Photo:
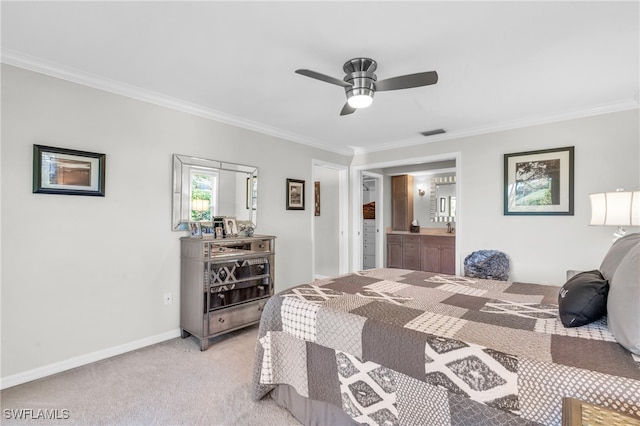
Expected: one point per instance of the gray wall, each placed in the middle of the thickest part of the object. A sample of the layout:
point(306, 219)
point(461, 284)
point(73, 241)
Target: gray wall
point(84, 277)
point(541, 248)
point(81, 275)
point(327, 225)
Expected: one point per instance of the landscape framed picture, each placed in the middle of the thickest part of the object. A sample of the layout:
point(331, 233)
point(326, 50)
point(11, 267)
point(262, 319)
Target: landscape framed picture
point(295, 194)
point(68, 171)
point(539, 182)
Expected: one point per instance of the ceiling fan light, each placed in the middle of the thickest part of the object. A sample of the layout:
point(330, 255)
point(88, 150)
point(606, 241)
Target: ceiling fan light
point(360, 101)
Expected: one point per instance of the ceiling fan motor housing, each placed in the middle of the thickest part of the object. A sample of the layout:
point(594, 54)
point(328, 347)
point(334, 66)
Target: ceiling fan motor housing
point(360, 74)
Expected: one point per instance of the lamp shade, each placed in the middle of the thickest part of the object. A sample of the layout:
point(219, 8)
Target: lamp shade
point(620, 208)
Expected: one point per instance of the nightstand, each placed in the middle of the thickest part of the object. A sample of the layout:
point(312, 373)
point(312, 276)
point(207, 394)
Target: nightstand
point(580, 413)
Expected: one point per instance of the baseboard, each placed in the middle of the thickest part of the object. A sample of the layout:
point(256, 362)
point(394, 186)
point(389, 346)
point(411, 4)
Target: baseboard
point(58, 367)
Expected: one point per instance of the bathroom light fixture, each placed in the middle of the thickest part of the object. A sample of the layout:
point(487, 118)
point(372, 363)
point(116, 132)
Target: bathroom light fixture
point(620, 208)
point(421, 191)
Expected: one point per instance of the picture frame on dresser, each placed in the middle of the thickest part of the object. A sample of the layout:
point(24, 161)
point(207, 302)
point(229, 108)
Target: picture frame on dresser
point(230, 226)
point(196, 229)
point(68, 171)
point(539, 182)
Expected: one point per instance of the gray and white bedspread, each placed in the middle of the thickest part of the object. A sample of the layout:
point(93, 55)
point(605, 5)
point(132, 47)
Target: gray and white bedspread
point(393, 346)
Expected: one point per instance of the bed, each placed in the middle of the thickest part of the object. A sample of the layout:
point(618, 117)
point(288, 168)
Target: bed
point(395, 346)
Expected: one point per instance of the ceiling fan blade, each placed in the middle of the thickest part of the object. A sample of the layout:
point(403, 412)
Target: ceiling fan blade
point(407, 81)
point(347, 109)
point(323, 77)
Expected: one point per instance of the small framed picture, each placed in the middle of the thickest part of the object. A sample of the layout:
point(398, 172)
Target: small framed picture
point(295, 194)
point(196, 230)
point(67, 171)
point(219, 232)
point(230, 226)
point(316, 196)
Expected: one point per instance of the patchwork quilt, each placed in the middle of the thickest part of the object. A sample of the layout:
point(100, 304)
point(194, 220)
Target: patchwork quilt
point(394, 346)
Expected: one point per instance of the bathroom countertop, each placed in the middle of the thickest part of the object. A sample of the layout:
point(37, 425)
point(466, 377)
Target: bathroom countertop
point(425, 231)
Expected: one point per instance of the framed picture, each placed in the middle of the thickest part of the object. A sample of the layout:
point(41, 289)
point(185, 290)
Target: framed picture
point(67, 171)
point(295, 194)
point(539, 182)
point(196, 229)
point(230, 226)
point(316, 195)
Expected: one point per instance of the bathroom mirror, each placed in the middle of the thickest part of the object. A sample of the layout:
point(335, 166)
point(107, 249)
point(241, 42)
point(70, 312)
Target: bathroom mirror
point(443, 199)
point(202, 188)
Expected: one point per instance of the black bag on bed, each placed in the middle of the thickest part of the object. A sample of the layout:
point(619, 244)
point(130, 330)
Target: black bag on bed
point(583, 299)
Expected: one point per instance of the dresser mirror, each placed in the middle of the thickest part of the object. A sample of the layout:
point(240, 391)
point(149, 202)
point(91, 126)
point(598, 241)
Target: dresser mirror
point(202, 188)
point(443, 199)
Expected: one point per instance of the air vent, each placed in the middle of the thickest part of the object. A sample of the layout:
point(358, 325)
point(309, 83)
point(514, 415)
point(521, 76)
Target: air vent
point(433, 132)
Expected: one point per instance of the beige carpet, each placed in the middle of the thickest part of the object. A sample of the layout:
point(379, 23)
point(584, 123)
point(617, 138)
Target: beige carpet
point(171, 383)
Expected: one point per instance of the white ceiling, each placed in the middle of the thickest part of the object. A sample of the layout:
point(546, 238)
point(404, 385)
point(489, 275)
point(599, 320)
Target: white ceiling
point(500, 64)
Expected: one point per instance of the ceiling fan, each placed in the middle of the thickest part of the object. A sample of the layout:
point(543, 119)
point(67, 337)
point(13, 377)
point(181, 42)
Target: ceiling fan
point(361, 83)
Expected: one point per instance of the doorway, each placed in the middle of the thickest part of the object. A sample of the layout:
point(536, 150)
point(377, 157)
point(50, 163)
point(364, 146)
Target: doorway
point(357, 173)
point(330, 219)
point(371, 201)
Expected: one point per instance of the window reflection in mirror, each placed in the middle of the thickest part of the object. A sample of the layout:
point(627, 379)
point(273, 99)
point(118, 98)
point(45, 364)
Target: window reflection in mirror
point(202, 188)
point(204, 195)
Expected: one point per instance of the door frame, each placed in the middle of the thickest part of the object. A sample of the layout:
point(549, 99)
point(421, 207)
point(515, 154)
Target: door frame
point(359, 231)
point(356, 213)
point(343, 216)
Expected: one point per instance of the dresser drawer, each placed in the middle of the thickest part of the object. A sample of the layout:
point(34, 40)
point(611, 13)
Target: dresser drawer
point(430, 240)
point(369, 249)
point(394, 238)
point(369, 239)
point(369, 228)
point(235, 316)
point(264, 245)
point(411, 239)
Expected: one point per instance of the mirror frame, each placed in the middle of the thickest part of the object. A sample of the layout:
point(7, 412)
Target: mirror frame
point(182, 166)
point(433, 208)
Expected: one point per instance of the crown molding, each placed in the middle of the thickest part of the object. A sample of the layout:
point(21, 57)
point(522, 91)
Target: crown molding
point(500, 127)
point(73, 75)
point(98, 82)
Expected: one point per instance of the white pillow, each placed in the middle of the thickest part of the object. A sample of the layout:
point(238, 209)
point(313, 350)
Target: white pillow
point(614, 256)
point(623, 302)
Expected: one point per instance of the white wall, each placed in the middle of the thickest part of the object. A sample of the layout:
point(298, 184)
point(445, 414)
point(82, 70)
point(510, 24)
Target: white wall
point(327, 225)
point(84, 274)
point(541, 248)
